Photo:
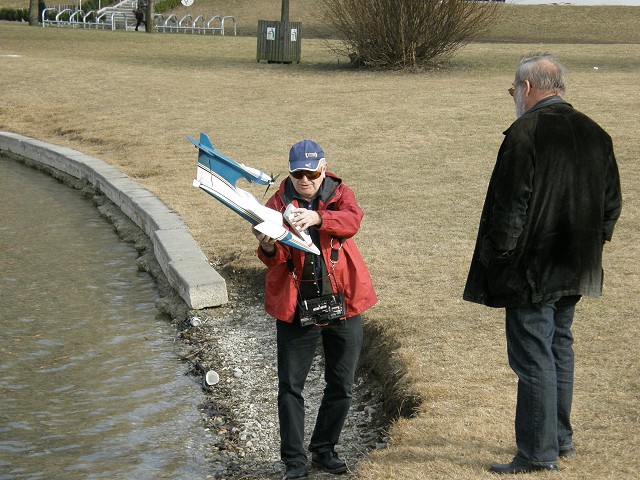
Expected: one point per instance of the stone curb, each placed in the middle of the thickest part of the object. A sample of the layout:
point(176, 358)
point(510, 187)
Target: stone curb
point(182, 261)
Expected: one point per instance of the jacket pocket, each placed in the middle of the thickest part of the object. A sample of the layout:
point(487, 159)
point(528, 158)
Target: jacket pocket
point(504, 279)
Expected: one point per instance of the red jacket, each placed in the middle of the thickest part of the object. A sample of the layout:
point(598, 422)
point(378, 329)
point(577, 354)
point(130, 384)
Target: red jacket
point(341, 217)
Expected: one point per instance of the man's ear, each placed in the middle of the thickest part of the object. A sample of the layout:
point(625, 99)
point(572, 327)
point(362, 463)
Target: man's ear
point(527, 88)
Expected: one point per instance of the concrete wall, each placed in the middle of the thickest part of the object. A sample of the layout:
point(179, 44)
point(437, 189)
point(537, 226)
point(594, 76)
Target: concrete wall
point(183, 263)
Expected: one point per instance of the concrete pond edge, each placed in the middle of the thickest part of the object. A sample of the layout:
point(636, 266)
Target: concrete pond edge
point(182, 261)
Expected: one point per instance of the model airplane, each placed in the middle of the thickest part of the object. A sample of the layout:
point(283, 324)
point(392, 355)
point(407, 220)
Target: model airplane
point(217, 175)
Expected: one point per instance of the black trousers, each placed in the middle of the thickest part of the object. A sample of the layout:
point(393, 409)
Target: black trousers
point(342, 342)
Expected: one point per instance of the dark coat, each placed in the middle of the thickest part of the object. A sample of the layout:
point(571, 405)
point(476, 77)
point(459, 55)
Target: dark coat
point(552, 201)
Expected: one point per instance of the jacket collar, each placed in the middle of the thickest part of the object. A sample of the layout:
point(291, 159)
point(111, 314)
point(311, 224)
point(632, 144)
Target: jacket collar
point(546, 102)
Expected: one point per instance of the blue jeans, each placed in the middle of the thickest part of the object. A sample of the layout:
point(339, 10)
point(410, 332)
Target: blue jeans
point(540, 349)
point(342, 342)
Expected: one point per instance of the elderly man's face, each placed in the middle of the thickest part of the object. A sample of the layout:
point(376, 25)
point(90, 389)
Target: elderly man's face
point(305, 186)
point(519, 99)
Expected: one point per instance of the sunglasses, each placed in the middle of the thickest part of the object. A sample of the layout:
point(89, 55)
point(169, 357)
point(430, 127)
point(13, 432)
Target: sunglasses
point(512, 91)
point(310, 174)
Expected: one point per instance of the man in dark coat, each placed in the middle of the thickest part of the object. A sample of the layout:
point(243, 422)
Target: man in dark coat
point(552, 202)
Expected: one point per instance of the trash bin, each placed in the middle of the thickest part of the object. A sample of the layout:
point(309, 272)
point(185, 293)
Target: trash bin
point(279, 42)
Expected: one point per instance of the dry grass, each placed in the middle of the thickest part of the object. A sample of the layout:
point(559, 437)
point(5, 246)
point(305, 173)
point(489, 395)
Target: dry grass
point(417, 150)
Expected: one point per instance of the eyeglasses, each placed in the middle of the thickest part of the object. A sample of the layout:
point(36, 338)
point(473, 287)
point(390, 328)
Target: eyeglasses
point(310, 174)
point(512, 90)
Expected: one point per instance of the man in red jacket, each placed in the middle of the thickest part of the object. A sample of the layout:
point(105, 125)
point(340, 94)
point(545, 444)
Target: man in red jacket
point(337, 278)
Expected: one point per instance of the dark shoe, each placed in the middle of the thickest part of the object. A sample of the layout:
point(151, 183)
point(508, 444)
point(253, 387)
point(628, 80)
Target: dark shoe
point(518, 465)
point(296, 470)
point(567, 451)
point(329, 462)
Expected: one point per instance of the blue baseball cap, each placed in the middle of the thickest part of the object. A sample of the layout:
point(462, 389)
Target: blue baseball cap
point(305, 155)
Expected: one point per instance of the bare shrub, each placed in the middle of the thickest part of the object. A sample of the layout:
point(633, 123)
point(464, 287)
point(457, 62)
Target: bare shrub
point(406, 34)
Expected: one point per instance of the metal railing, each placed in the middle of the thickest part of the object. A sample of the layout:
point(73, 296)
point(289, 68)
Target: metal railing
point(76, 18)
point(211, 25)
point(225, 18)
point(89, 19)
point(56, 20)
point(112, 18)
point(188, 24)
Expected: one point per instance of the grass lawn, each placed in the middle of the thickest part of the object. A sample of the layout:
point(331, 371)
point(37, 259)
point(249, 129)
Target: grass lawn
point(418, 150)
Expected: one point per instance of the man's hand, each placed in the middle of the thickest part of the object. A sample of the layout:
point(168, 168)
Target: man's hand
point(303, 218)
point(267, 243)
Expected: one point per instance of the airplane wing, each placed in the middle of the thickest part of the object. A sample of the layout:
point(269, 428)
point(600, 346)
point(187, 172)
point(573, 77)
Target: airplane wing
point(281, 234)
point(217, 174)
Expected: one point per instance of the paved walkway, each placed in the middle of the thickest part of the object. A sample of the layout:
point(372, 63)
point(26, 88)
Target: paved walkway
point(181, 259)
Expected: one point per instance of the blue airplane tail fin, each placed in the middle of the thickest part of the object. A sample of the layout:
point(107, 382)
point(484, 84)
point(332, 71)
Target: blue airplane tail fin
point(206, 151)
point(214, 161)
point(204, 140)
point(227, 168)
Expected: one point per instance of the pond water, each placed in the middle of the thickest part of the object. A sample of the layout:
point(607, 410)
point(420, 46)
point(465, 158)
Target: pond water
point(90, 384)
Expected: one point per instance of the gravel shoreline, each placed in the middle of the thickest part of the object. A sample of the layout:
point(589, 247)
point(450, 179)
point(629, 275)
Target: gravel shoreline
point(238, 342)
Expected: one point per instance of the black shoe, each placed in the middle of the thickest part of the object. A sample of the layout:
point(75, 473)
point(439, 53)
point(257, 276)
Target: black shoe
point(296, 470)
point(518, 465)
point(567, 451)
point(329, 462)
